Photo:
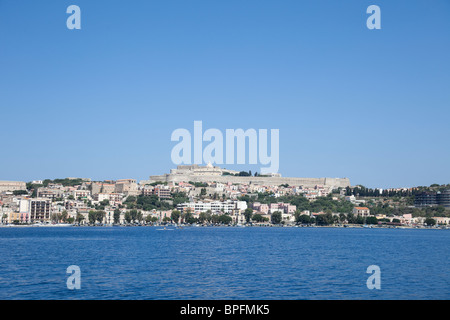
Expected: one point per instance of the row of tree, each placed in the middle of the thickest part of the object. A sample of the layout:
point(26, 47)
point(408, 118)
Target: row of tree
point(133, 216)
point(204, 217)
point(329, 219)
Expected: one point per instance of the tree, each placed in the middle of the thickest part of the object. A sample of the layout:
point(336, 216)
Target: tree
point(140, 217)
point(92, 216)
point(64, 216)
point(116, 216)
point(360, 220)
point(187, 215)
point(175, 216)
point(135, 215)
point(351, 218)
point(248, 213)
point(303, 219)
point(127, 216)
point(321, 220)
point(100, 215)
point(325, 219)
point(204, 216)
point(276, 217)
point(430, 221)
point(371, 220)
point(258, 218)
point(225, 219)
point(79, 217)
point(55, 217)
point(19, 192)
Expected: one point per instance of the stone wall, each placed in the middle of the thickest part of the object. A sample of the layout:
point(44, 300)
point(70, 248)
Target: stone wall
point(306, 182)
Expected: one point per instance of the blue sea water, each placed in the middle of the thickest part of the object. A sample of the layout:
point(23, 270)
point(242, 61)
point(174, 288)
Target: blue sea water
point(223, 263)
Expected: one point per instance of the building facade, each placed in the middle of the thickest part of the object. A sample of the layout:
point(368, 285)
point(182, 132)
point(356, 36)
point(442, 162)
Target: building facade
point(429, 199)
point(40, 209)
point(12, 186)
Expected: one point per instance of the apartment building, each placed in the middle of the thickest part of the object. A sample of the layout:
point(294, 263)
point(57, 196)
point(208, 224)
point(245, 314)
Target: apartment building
point(361, 211)
point(40, 209)
point(49, 193)
point(213, 206)
point(81, 194)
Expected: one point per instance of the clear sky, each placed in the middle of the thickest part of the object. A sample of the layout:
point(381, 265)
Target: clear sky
point(102, 102)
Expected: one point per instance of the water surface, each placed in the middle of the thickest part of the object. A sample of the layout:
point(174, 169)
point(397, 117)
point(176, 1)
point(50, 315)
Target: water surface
point(223, 263)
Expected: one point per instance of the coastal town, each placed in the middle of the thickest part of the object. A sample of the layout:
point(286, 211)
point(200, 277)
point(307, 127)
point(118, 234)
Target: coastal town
point(209, 195)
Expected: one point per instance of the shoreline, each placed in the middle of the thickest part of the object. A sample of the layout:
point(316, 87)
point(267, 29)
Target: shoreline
point(226, 226)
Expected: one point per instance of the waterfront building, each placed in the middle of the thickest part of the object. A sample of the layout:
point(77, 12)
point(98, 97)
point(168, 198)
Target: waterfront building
point(40, 209)
point(216, 207)
point(442, 220)
point(361, 211)
point(5, 214)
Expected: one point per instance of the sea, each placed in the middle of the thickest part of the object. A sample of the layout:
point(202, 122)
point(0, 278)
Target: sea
point(231, 263)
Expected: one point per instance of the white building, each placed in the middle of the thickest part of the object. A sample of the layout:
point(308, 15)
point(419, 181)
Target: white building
point(213, 206)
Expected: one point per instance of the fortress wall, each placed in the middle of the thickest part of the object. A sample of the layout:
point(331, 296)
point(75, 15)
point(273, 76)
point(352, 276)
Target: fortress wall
point(307, 182)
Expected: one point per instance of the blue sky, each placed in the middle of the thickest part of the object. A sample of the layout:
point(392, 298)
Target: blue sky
point(102, 102)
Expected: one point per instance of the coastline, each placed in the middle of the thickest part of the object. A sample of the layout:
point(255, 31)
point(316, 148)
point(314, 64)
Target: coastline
point(224, 226)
